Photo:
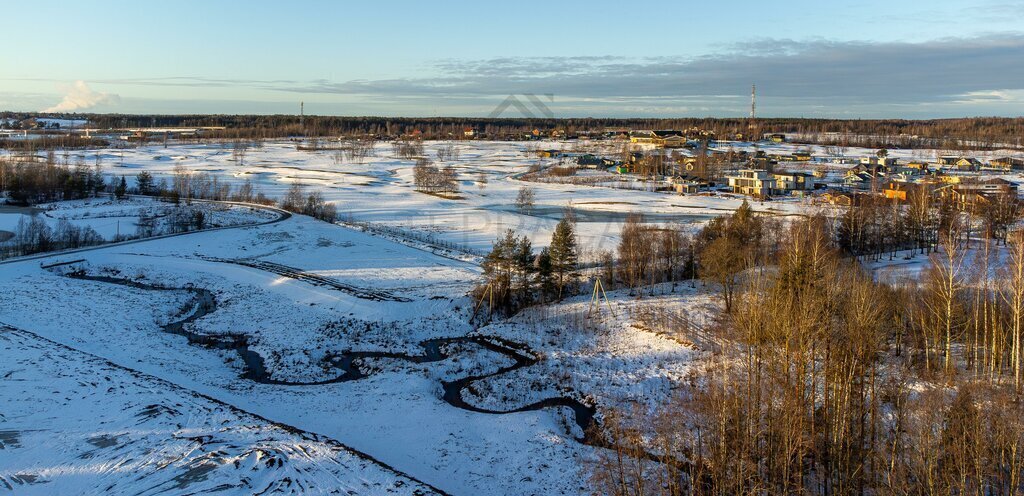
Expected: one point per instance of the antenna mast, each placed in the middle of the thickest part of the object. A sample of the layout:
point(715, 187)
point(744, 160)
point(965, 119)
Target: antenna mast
point(754, 104)
point(302, 113)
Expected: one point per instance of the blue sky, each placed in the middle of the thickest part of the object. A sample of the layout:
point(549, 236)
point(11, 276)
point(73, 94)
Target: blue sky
point(809, 58)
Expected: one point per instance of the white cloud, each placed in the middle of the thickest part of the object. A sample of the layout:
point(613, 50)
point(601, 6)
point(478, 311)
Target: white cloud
point(79, 96)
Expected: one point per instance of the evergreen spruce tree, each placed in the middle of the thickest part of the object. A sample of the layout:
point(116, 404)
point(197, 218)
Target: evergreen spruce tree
point(524, 270)
point(509, 272)
point(121, 189)
point(144, 183)
point(96, 182)
point(545, 278)
point(564, 257)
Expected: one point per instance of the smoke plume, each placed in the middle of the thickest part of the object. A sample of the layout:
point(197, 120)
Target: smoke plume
point(79, 96)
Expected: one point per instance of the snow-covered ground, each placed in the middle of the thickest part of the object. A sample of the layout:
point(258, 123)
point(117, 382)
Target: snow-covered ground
point(300, 291)
point(608, 352)
point(72, 423)
point(111, 218)
point(912, 265)
point(381, 189)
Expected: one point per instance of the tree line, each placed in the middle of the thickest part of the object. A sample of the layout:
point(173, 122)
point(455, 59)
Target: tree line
point(514, 275)
point(875, 226)
point(958, 133)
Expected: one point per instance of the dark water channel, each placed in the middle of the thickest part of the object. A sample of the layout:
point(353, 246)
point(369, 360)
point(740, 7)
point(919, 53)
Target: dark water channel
point(434, 350)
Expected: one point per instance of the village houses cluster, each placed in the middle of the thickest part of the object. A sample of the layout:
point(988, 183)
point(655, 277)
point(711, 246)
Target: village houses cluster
point(695, 162)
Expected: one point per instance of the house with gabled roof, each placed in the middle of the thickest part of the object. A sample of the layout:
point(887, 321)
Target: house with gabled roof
point(1007, 164)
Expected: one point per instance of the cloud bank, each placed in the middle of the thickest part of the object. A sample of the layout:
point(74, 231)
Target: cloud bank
point(79, 96)
point(943, 77)
point(816, 72)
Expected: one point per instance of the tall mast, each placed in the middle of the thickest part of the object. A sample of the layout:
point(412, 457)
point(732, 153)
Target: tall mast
point(753, 105)
point(753, 102)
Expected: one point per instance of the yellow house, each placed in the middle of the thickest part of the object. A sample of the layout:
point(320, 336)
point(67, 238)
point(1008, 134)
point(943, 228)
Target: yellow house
point(968, 163)
point(645, 138)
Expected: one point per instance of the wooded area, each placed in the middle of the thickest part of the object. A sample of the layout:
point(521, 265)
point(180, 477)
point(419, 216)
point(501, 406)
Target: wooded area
point(827, 380)
point(958, 133)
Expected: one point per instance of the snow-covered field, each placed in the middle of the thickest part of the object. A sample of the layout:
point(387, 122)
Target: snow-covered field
point(72, 423)
point(301, 291)
point(381, 190)
point(111, 218)
point(302, 296)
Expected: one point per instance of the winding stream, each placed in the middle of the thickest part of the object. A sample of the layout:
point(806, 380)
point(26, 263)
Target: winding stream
point(204, 303)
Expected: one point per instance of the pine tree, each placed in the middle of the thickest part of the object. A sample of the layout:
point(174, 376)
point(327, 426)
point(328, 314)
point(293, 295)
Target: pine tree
point(121, 189)
point(525, 272)
point(564, 257)
point(144, 183)
point(509, 271)
point(545, 276)
point(96, 178)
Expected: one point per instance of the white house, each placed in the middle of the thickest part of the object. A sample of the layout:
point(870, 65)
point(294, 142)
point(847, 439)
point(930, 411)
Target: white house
point(789, 182)
point(754, 182)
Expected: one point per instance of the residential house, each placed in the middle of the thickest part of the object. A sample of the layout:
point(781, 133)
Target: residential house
point(643, 137)
point(589, 160)
point(1007, 164)
point(968, 164)
point(670, 139)
point(775, 137)
point(617, 134)
point(961, 163)
point(687, 184)
point(905, 172)
point(665, 138)
point(861, 180)
point(901, 190)
point(884, 163)
point(840, 160)
point(793, 182)
point(837, 198)
point(754, 182)
point(972, 192)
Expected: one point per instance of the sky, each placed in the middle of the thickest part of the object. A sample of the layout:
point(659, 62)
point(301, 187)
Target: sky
point(834, 59)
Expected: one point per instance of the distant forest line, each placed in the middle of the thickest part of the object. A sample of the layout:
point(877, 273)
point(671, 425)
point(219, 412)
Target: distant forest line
point(981, 132)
